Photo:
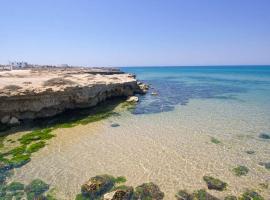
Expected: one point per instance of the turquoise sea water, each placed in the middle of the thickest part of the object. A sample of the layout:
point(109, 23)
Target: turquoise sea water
point(179, 85)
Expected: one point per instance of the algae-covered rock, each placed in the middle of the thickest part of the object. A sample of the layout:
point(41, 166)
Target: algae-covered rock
point(240, 170)
point(36, 189)
point(97, 186)
point(14, 186)
point(251, 195)
point(183, 195)
point(214, 183)
point(120, 193)
point(148, 191)
point(203, 195)
point(230, 197)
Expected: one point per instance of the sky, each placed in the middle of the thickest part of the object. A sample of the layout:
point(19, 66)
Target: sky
point(135, 32)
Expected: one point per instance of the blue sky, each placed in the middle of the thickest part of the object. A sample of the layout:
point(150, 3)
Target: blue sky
point(135, 32)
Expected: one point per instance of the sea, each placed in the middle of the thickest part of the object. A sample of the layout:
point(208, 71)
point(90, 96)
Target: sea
point(195, 121)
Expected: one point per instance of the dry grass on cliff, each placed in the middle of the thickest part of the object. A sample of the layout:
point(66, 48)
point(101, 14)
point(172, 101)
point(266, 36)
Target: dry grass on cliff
point(58, 82)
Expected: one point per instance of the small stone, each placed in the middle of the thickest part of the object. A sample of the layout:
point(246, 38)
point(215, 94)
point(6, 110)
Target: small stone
point(250, 152)
point(115, 125)
point(5, 119)
point(154, 93)
point(132, 99)
point(14, 121)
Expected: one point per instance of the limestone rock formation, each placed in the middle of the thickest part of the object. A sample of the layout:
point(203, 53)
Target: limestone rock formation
point(35, 93)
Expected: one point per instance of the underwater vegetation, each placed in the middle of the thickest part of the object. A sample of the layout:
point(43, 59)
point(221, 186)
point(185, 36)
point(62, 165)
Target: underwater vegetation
point(33, 191)
point(240, 170)
point(215, 141)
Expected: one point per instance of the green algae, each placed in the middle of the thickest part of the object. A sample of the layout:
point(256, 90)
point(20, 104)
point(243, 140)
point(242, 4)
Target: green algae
point(215, 141)
point(120, 179)
point(2, 138)
point(19, 160)
point(240, 170)
point(35, 147)
point(43, 134)
point(14, 186)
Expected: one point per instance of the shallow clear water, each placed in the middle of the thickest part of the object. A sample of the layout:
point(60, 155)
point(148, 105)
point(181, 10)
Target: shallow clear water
point(167, 137)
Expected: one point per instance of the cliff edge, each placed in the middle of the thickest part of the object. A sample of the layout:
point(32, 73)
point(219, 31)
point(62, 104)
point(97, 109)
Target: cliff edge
point(35, 93)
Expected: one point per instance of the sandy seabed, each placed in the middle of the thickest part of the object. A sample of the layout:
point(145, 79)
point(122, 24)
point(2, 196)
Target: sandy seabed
point(172, 149)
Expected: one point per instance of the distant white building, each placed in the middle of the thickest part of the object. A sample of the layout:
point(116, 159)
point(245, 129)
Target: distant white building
point(18, 64)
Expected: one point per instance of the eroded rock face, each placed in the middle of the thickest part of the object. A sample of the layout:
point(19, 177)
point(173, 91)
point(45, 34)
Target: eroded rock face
point(44, 93)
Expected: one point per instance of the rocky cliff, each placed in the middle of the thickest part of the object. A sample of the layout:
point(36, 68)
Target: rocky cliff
point(29, 94)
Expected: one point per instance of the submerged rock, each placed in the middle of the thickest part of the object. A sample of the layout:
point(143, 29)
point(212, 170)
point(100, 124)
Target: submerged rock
point(214, 183)
point(14, 186)
point(240, 170)
point(265, 164)
point(97, 186)
point(148, 191)
point(36, 188)
point(121, 193)
point(183, 195)
point(250, 152)
point(115, 125)
point(251, 195)
point(203, 195)
point(264, 136)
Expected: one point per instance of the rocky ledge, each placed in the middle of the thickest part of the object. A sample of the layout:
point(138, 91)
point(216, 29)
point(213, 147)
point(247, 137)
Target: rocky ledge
point(44, 92)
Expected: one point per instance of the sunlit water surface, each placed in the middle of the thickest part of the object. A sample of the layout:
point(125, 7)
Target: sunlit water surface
point(167, 138)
